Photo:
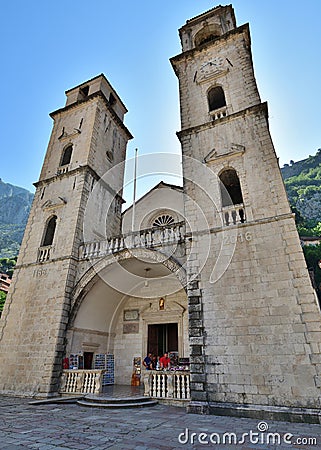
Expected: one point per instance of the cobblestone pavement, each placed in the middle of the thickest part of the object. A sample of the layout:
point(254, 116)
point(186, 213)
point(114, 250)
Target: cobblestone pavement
point(70, 426)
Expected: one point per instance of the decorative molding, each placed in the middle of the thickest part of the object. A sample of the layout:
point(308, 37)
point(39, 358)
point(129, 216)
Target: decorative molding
point(131, 315)
point(89, 346)
point(53, 204)
point(88, 331)
point(131, 328)
point(212, 69)
point(66, 135)
point(234, 150)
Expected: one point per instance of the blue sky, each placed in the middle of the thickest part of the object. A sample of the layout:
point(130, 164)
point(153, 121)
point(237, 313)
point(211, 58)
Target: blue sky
point(49, 47)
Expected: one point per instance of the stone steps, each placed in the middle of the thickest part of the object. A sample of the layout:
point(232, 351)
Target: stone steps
point(116, 402)
point(63, 399)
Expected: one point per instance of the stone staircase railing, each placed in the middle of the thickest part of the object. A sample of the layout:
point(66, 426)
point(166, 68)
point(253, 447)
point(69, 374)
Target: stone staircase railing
point(148, 238)
point(167, 384)
point(81, 381)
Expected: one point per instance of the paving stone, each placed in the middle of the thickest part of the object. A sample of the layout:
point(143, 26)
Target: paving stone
point(79, 428)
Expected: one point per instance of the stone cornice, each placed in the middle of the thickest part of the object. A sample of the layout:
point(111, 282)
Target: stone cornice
point(201, 17)
point(89, 98)
point(96, 78)
point(223, 229)
point(76, 171)
point(37, 264)
point(260, 108)
point(243, 29)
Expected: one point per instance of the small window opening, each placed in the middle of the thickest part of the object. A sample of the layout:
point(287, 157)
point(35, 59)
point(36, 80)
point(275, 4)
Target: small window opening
point(66, 156)
point(110, 155)
point(230, 188)
point(112, 99)
point(209, 38)
point(84, 91)
point(50, 231)
point(216, 98)
point(207, 34)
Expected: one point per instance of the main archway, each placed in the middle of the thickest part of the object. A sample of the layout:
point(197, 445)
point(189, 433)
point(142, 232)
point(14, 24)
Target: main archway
point(125, 306)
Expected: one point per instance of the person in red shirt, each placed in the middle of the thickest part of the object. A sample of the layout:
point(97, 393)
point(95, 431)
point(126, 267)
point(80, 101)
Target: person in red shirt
point(165, 362)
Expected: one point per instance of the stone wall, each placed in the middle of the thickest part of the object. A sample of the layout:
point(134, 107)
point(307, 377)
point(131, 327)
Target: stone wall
point(254, 316)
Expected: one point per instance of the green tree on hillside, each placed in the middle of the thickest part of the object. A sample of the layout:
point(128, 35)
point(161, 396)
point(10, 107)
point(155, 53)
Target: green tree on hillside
point(7, 265)
point(3, 296)
point(312, 255)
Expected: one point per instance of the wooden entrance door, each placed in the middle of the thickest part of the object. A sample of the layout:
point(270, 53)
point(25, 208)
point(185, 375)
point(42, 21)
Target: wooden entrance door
point(162, 338)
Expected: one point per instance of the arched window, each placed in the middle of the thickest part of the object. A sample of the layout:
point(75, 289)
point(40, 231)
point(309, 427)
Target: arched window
point(206, 34)
point(230, 188)
point(216, 98)
point(66, 156)
point(50, 231)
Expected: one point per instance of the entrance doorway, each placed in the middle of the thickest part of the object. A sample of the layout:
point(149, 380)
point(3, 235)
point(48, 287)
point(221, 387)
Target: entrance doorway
point(88, 360)
point(162, 337)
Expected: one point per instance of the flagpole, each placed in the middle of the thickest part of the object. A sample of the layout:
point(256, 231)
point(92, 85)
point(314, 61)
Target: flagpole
point(134, 191)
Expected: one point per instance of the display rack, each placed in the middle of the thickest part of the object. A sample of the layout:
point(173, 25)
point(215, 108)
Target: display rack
point(76, 361)
point(105, 361)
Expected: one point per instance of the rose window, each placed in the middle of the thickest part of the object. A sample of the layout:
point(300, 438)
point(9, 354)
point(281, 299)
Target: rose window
point(163, 220)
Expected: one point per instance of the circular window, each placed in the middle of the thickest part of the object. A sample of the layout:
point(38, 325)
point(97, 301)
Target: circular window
point(163, 220)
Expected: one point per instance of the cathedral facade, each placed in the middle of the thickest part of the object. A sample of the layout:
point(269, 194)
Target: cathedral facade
point(212, 271)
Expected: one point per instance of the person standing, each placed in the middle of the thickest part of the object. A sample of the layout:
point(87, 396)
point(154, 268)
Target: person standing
point(147, 363)
point(165, 362)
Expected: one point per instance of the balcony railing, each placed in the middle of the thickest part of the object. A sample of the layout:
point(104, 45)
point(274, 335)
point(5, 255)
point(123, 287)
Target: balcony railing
point(148, 238)
point(44, 253)
point(62, 169)
point(233, 214)
point(173, 385)
point(218, 113)
point(82, 381)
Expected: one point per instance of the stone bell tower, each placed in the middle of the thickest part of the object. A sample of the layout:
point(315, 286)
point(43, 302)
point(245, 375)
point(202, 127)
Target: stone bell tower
point(88, 139)
point(254, 323)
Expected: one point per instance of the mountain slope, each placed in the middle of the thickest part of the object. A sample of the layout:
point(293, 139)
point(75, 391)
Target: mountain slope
point(15, 203)
point(303, 184)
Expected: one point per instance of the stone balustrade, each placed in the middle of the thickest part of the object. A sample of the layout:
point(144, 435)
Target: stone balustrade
point(63, 169)
point(81, 381)
point(171, 385)
point(233, 214)
point(219, 113)
point(44, 253)
point(147, 238)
